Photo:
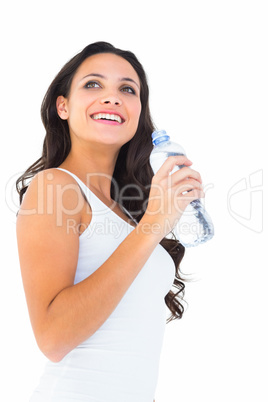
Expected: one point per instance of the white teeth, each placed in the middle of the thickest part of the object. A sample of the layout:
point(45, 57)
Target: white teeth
point(107, 116)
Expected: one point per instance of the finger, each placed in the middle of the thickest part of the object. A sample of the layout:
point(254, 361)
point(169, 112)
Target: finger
point(194, 194)
point(191, 195)
point(187, 186)
point(170, 163)
point(185, 173)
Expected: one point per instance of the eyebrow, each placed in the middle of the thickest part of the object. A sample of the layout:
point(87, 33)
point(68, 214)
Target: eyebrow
point(102, 76)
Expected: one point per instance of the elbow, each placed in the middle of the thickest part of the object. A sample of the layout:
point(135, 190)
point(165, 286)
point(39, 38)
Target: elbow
point(53, 350)
point(53, 356)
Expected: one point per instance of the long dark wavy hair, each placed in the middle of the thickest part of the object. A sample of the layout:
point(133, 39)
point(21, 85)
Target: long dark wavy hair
point(132, 166)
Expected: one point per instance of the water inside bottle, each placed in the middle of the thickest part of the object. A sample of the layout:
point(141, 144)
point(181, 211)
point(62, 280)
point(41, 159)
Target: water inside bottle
point(194, 226)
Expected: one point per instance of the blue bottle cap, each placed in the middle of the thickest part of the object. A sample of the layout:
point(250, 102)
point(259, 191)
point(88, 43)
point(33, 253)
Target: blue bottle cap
point(159, 136)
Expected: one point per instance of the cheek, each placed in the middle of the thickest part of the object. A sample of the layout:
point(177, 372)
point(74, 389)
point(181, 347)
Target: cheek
point(80, 103)
point(137, 110)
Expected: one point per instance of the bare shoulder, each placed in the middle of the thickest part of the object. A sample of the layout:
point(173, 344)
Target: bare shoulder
point(53, 191)
point(51, 211)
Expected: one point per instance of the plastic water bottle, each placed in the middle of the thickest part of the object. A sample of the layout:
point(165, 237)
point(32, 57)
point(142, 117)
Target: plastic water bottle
point(194, 226)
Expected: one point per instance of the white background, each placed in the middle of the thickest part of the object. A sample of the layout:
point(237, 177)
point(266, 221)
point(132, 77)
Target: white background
point(207, 67)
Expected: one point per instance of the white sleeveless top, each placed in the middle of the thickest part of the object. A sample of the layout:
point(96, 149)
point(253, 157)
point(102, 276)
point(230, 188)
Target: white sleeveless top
point(120, 361)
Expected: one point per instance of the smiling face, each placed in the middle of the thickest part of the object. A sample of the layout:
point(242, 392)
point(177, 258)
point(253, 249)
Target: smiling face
point(104, 104)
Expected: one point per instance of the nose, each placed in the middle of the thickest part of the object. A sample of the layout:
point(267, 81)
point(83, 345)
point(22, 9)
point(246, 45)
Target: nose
point(111, 99)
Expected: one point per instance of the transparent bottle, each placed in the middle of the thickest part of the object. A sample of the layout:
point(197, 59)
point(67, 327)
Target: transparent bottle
point(194, 226)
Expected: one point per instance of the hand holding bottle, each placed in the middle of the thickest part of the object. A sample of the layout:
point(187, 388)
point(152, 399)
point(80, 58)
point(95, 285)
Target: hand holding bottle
point(194, 226)
point(170, 194)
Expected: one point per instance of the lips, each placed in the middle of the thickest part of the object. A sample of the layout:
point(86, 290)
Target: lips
point(108, 116)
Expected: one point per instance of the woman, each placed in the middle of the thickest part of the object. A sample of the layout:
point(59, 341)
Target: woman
point(96, 278)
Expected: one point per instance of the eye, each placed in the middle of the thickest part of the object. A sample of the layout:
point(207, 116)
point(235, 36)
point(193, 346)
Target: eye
point(129, 90)
point(92, 84)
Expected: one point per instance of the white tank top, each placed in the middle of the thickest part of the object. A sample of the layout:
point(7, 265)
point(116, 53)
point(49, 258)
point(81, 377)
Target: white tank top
point(120, 361)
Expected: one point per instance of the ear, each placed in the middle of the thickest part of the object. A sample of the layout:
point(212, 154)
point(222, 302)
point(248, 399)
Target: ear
point(62, 109)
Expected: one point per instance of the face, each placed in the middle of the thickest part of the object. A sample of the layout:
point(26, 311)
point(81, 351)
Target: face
point(104, 104)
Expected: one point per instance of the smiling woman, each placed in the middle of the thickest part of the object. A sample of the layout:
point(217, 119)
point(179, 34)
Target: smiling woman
point(99, 101)
point(97, 298)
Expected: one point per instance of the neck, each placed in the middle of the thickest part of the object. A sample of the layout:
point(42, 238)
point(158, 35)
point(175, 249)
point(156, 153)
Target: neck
point(93, 166)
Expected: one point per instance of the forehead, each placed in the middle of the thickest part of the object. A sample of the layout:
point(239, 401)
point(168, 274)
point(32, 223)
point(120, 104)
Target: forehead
point(107, 64)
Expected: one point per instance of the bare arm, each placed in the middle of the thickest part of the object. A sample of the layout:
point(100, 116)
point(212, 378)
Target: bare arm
point(63, 314)
point(79, 310)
